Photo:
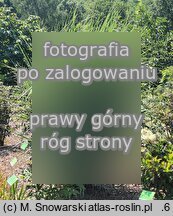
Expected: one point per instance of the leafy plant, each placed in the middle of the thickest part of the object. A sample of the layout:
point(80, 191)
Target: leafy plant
point(14, 34)
point(157, 155)
point(14, 192)
point(55, 192)
point(4, 112)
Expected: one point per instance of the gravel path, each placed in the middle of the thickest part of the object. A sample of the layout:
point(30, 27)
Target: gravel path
point(10, 150)
point(92, 192)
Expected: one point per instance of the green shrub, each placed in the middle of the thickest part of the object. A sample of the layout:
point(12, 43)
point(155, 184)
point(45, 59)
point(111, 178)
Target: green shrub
point(56, 192)
point(54, 14)
point(4, 112)
point(15, 34)
point(157, 152)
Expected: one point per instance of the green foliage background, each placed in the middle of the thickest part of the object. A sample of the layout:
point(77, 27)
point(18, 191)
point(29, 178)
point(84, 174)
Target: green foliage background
point(153, 19)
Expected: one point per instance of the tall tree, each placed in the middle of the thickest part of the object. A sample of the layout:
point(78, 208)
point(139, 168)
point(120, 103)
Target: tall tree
point(53, 13)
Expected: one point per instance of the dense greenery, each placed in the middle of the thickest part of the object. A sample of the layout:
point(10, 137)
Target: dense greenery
point(153, 19)
point(15, 43)
point(157, 136)
point(4, 113)
point(53, 13)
